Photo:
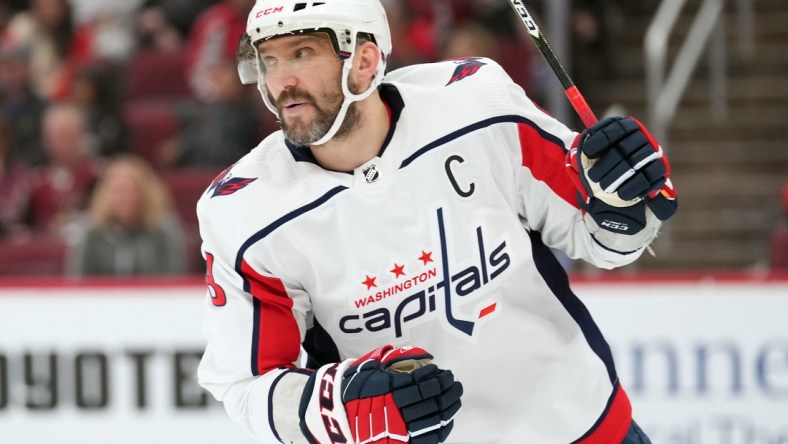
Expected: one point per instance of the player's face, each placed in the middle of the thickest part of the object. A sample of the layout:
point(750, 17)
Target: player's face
point(303, 77)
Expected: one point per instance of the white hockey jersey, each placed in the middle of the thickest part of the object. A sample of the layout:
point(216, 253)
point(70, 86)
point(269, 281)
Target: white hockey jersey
point(441, 241)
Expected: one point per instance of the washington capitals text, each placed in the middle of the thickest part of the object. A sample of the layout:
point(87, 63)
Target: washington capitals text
point(461, 284)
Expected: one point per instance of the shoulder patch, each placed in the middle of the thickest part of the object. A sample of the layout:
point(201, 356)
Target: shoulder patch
point(465, 68)
point(225, 184)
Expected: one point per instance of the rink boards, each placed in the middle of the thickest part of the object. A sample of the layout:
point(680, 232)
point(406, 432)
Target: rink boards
point(703, 360)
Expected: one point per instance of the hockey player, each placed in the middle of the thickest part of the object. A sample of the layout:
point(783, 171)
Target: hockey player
point(398, 219)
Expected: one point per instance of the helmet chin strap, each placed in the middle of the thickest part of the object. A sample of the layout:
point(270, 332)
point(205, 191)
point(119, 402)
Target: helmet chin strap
point(349, 98)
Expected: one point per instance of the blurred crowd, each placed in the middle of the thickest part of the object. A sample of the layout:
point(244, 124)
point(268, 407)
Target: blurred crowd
point(114, 116)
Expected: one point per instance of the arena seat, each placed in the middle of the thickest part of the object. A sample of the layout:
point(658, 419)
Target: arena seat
point(150, 123)
point(157, 74)
point(779, 249)
point(186, 185)
point(39, 255)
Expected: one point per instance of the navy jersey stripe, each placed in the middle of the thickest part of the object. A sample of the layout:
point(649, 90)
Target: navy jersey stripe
point(556, 279)
point(392, 97)
point(256, 238)
point(320, 347)
point(300, 153)
point(477, 126)
point(255, 330)
point(603, 416)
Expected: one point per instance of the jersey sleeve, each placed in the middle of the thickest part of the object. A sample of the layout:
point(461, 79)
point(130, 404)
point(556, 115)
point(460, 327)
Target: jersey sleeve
point(546, 197)
point(254, 323)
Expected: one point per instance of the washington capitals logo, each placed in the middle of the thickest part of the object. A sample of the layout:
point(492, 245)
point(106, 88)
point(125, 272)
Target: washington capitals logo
point(465, 68)
point(225, 184)
point(436, 285)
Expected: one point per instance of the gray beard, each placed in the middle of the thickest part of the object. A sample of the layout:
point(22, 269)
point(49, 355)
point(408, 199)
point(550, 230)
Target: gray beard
point(321, 125)
point(324, 119)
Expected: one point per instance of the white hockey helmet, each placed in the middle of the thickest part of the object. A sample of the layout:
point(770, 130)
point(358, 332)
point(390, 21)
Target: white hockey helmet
point(341, 20)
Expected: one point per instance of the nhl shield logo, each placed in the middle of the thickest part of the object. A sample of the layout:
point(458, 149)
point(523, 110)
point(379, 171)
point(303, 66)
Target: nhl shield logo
point(371, 173)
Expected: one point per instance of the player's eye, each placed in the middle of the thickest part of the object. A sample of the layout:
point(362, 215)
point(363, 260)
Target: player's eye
point(302, 53)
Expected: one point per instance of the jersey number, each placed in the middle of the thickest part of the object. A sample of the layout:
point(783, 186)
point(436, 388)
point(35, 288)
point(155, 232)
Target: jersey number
point(218, 297)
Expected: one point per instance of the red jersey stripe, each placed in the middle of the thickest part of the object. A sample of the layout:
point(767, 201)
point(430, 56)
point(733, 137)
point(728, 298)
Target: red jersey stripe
point(275, 319)
point(546, 160)
point(615, 422)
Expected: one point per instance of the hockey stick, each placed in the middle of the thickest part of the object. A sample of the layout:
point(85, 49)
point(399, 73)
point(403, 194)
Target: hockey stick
point(572, 93)
point(658, 199)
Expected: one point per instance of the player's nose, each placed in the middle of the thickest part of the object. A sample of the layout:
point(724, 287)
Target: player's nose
point(282, 81)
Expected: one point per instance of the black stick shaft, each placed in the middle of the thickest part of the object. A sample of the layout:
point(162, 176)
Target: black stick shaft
point(570, 89)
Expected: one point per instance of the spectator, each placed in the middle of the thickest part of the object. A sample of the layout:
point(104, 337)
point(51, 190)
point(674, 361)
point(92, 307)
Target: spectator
point(514, 46)
point(15, 185)
point(213, 39)
point(165, 24)
point(130, 229)
point(109, 24)
point(62, 187)
point(406, 51)
point(95, 91)
point(592, 58)
point(18, 103)
point(8, 8)
point(56, 47)
point(417, 29)
point(469, 39)
point(494, 15)
point(225, 127)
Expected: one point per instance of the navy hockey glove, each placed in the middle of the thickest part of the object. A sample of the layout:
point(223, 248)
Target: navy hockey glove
point(398, 395)
point(619, 169)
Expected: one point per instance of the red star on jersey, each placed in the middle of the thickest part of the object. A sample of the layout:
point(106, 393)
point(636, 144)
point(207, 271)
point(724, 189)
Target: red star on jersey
point(398, 270)
point(370, 282)
point(426, 257)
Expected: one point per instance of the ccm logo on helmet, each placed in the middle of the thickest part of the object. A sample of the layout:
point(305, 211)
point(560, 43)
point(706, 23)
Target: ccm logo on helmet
point(269, 11)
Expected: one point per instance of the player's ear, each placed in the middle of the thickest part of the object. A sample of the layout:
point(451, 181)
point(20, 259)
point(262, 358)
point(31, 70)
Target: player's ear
point(365, 62)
